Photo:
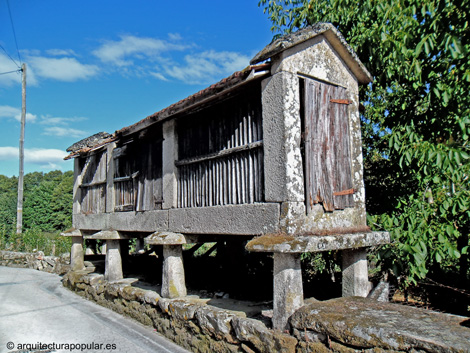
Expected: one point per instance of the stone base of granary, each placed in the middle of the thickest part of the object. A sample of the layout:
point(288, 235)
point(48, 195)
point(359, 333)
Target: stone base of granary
point(338, 325)
point(189, 321)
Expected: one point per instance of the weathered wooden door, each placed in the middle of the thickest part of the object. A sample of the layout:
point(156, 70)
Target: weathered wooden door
point(328, 178)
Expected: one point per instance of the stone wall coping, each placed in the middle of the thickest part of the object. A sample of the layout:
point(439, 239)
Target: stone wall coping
point(107, 235)
point(189, 321)
point(72, 233)
point(165, 238)
point(362, 323)
point(53, 264)
point(283, 243)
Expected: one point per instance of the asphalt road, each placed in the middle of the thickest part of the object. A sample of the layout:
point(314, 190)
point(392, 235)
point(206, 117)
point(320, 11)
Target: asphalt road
point(35, 309)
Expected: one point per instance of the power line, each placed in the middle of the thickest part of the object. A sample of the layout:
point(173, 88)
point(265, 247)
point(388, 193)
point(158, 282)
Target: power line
point(10, 72)
point(10, 57)
point(14, 33)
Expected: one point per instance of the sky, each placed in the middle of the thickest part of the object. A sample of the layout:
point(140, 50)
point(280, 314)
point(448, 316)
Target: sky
point(102, 65)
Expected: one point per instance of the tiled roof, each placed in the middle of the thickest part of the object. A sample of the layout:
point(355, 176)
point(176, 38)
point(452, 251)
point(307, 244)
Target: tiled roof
point(335, 38)
point(206, 95)
point(89, 142)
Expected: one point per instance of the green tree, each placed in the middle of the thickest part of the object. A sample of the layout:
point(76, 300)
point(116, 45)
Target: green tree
point(416, 123)
point(48, 200)
point(62, 199)
point(37, 208)
point(8, 187)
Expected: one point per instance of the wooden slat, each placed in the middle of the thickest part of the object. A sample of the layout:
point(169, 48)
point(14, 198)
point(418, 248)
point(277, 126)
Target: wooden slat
point(218, 155)
point(138, 172)
point(96, 183)
point(93, 186)
point(222, 153)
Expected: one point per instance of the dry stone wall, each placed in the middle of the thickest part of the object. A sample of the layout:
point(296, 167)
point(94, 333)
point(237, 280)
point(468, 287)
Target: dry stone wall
point(37, 261)
point(189, 322)
point(344, 325)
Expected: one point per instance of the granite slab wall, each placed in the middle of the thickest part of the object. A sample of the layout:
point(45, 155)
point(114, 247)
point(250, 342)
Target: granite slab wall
point(346, 325)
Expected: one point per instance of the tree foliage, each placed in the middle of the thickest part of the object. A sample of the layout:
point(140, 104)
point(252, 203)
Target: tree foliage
point(416, 125)
point(47, 201)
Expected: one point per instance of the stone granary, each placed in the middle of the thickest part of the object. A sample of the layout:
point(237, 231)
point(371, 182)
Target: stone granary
point(270, 154)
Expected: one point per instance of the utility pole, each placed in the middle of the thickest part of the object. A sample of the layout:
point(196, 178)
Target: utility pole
point(19, 213)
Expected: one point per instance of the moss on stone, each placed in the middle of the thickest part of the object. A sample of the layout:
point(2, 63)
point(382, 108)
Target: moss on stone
point(309, 347)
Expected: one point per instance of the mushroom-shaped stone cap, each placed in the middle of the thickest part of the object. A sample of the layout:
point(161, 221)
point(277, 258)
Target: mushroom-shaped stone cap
point(165, 238)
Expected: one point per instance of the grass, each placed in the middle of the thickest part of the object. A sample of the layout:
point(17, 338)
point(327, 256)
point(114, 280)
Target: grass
point(32, 240)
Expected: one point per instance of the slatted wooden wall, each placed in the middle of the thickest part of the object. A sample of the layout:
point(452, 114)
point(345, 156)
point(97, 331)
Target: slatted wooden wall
point(138, 172)
point(221, 155)
point(93, 186)
point(326, 146)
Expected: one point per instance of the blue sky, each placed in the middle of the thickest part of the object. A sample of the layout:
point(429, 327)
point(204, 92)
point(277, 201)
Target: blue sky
point(101, 65)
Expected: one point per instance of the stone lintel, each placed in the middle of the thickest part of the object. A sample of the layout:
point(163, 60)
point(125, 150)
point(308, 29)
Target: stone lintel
point(247, 219)
point(108, 235)
point(165, 238)
point(72, 233)
point(283, 243)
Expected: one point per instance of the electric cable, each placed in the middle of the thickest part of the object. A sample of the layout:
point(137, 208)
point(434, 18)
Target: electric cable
point(10, 72)
point(18, 66)
point(14, 33)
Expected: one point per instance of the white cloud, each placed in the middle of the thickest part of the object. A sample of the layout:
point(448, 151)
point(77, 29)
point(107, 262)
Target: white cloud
point(50, 166)
point(7, 153)
point(207, 66)
point(9, 112)
point(128, 48)
point(59, 126)
point(6, 65)
point(64, 131)
point(49, 120)
point(158, 75)
point(174, 36)
point(62, 69)
point(30, 52)
point(41, 156)
point(30, 118)
point(60, 52)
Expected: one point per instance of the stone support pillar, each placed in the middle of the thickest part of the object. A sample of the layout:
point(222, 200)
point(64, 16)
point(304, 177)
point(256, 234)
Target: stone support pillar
point(139, 245)
point(113, 266)
point(103, 248)
point(173, 283)
point(76, 254)
point(288, 290)
point(355, 273)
